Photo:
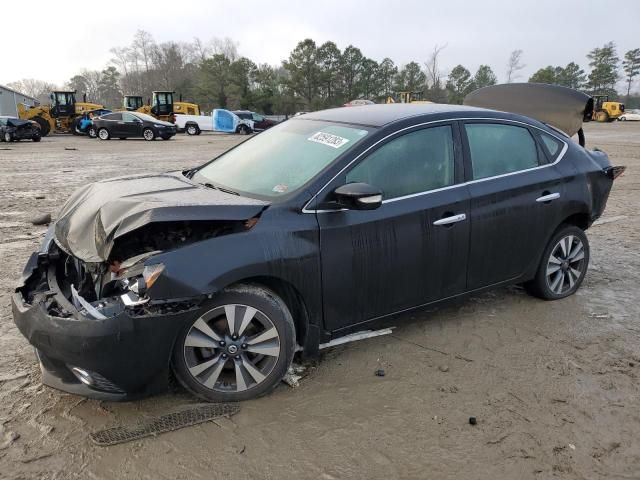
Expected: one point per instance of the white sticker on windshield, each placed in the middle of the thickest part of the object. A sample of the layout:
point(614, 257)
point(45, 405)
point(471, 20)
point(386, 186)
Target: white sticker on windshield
point(328, 139)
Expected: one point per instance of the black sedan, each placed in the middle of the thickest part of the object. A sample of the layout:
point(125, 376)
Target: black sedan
point(326, 224)
point(13, 129)
point(132, 124)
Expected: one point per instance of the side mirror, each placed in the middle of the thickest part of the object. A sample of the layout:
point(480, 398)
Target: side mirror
point(358, 196)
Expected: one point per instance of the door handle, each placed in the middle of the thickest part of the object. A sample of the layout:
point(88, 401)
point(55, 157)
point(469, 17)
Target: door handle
point(548, 197)
point(450, 220)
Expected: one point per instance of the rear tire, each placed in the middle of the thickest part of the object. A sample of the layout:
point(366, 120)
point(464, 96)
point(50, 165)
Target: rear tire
point(36, 138)
point(91, 131)
point(563, 265)
point(244, 130)
point(103, 134)
point(213, 364)
point(149, 134)
point(602, 116)
point(7, 137)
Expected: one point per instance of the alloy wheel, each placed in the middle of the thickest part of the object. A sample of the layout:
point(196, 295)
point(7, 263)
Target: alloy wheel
point(148, 134)
point(232, 348)
point(7, 137)
point(566, 264)
point(103, 134)
point(191, 130)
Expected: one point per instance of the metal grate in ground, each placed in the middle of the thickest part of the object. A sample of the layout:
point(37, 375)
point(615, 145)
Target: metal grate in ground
point(164, 423)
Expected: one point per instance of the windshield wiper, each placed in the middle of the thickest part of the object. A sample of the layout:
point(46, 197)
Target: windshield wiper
point(225, 190)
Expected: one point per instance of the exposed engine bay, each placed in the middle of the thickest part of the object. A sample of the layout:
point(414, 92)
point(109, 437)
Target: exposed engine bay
point(102, 289)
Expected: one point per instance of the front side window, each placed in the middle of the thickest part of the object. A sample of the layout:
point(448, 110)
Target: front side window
point(497, 149)
point(257, 118)
point(282, 159)
point(415, 162)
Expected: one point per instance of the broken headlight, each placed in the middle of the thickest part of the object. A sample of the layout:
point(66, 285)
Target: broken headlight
point(139, 283)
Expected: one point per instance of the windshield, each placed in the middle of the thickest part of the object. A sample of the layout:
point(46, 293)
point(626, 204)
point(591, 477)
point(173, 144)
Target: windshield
point(282, 159)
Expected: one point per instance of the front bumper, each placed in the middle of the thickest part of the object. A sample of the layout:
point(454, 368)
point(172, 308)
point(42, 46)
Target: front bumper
point(126, 355)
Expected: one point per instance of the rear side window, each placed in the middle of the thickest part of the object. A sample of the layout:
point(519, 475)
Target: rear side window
point(552, 144)
point(415, 162)
point(112, 116)
point(497, 149)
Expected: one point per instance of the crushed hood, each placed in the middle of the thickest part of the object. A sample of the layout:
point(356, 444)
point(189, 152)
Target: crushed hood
point(17, 123)
point(98, 213)
point(562, 107)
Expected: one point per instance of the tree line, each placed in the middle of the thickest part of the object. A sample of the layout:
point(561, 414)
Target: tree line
point(313, 76)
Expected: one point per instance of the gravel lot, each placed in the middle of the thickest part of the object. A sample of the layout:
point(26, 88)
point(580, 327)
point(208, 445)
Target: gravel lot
point(554, 385)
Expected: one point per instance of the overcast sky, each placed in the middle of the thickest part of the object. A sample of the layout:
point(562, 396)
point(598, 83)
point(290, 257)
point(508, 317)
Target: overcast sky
point(475, 32)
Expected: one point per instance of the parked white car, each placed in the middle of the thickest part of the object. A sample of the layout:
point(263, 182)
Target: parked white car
point(219, 121)
point(630, 115)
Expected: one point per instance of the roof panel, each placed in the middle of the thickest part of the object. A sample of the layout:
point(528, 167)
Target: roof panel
point(381, 114)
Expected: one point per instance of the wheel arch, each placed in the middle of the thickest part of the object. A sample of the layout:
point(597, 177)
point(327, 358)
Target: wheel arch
point(581, 220)
point(292, 298)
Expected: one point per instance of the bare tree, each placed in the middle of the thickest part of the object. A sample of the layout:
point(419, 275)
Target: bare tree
point(225, 46)
point(514, 65)
point(432, 67)
point(143, 42)
point(201, 50)
point(38, 89)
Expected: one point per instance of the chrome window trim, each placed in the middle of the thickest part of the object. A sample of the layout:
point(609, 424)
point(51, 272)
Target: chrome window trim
point(457, 185)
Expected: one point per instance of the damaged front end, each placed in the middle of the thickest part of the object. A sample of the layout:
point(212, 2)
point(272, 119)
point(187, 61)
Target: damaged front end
point(101, 312)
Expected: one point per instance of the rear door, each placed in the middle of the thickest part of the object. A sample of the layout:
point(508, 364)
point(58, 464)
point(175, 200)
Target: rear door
point(410, 251)
point(131, 126)
point(112, 122)
point(516, 195)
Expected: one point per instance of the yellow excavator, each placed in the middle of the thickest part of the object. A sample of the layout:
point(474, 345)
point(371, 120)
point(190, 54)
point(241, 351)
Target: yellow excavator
point(60, 115)
point(408, 97)
point(604, 110)
point(161, 106)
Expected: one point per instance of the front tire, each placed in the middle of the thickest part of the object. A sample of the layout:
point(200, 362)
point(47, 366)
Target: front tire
point(103, 134)
point(244, 130)
point(193, 129)
point(238, 347)
point(149, 134)
point(563, 266)
point(7, 137)
point(45, 127)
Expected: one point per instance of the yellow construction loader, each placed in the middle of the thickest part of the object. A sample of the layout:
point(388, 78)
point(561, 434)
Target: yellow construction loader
point(60, 115)
point(161, 106)
point(604, 110)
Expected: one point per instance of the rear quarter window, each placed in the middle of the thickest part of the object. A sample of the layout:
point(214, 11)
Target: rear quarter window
point(552, 145)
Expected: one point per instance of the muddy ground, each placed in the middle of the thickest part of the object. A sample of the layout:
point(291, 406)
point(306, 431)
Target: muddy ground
point(554, 385)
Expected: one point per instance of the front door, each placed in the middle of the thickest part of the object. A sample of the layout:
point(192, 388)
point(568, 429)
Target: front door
point(131, 126)
point(514, 189)
point(410, 251)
